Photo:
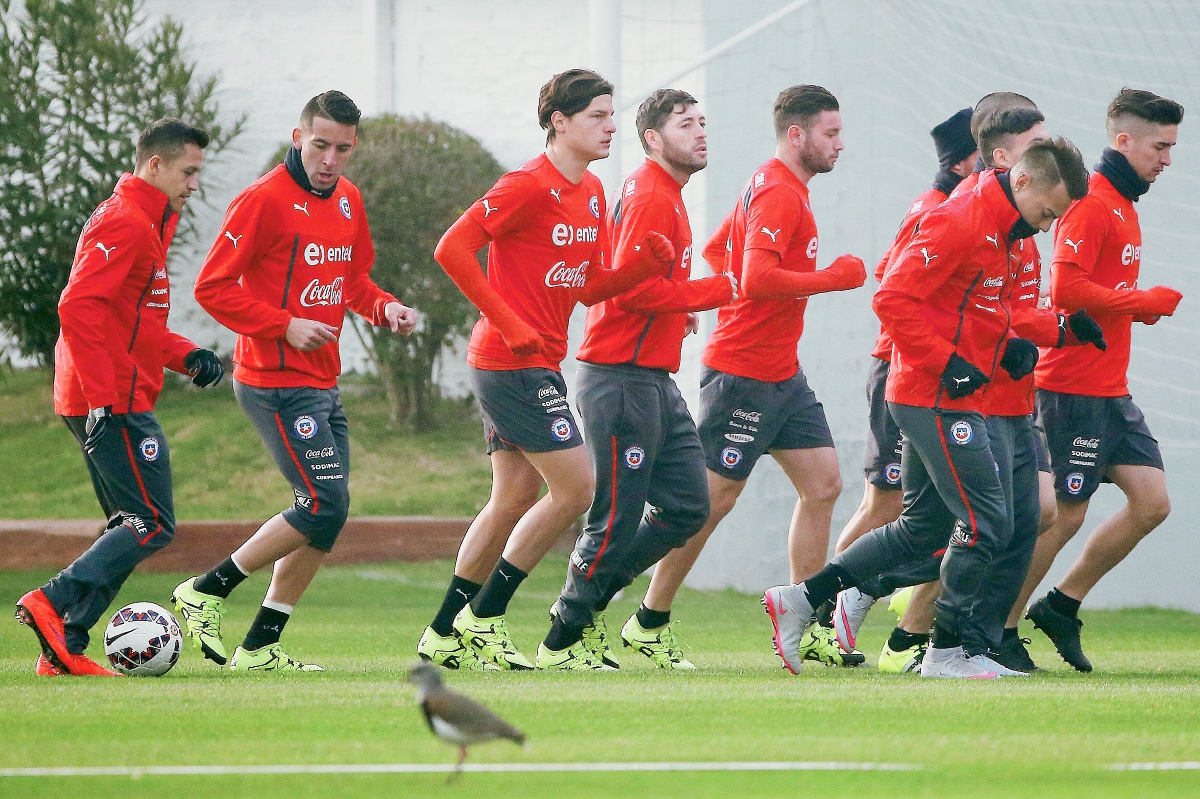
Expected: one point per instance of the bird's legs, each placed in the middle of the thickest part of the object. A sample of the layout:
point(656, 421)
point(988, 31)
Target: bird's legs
point(462, 757)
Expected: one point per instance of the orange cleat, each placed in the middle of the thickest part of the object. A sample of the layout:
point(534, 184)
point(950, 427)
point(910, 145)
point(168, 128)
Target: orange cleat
point(45, 668)
point(84, 666)
point(36, 612)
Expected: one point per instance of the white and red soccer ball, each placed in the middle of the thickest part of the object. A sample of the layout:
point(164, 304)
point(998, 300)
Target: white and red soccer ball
point(143, 640)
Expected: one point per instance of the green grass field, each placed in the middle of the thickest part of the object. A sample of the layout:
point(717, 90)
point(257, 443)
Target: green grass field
point(221, 468)
point(1051, 735)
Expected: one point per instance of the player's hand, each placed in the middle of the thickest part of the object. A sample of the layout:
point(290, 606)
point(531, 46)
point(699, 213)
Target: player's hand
point(400, 318)
point(97, 424)
point(307, 335)
point(1079, 328)
point(1147, 318)
point(522, 339)
point(659, 248)
point(961, 378)
point(204, 367)
point(693, 322)
point(1020, 357)
point(1162, 301)
point(733, 284)
point(850, 272)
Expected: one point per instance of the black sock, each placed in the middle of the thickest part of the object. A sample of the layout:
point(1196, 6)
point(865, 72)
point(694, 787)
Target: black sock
point(562, 635)
point(1061, 603)
point(1010, 633)
point(825, 613)
point(222, 580)
point(266, 629)
point(492, 600)
point(903, 639)
point(460, 592)
point(943, 638)
point(651, 619)
point(825, 584)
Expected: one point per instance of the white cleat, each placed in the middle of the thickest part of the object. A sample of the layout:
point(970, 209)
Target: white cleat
point(985, 662)
point(849, 615)
point(953, 663)
point(791, 615)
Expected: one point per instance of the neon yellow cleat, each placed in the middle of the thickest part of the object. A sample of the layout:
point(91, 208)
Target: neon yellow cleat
point(902, 662)
point(595, 638)
point(268, 658)
point(818, 643)
point(202, 618)
point(490, 640)
point(661, 645)
point(898, 604)
point(447, 651)
point(576, 657)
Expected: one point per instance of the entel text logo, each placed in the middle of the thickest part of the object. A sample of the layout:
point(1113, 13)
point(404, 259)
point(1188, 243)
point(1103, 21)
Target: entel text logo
point(316, 254)
point(315, 293)
point(563, 234)
point(811, 252)
point(1131, 254)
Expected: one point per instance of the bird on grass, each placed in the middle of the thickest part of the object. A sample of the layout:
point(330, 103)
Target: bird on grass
point(456, 719)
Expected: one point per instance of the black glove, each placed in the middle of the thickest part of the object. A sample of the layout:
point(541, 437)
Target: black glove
point(204, 366)
point(98, 422)
point(1020, 356)
point(1079, 328)
point(961, 378)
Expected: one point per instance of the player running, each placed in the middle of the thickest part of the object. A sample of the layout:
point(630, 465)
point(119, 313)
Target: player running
point(545, 224)
point(1095, 431)
point(294, 252)
point(108, 370)
point(944, 302)
point(754, 397)
point(641, 438)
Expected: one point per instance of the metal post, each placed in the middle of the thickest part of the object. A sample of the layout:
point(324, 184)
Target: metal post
point(385, 56)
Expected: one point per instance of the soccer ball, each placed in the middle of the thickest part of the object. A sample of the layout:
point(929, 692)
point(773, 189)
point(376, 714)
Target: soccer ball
point(143, 640)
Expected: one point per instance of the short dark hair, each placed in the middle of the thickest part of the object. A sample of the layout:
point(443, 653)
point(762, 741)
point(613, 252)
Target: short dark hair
point(166, 138)
point(1052, 161)
point(1146, 106)
point(656, 109)
point(994, 102)
point(1000, 126)
point(331, 105)
point(800, 105)
point(569, 92)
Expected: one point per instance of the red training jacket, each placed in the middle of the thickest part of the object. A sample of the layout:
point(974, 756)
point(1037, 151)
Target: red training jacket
point(947, 293)
point(284, 252)
point(114, 342)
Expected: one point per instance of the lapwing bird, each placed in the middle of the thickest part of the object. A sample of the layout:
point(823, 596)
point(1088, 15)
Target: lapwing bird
point(456, 719)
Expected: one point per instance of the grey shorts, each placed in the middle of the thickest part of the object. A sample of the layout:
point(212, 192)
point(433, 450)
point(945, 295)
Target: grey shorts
point(1086, 435)
point(741, 419)
point(305, 431)
point(525, 410)
point(881, 466)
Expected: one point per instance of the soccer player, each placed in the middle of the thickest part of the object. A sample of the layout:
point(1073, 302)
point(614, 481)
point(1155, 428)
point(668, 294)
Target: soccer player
point(754, 397)
point(545, 224)
point(108, 370)
point(294, 252)
point(641, 438)
point(1095, 431)
point(944, 302)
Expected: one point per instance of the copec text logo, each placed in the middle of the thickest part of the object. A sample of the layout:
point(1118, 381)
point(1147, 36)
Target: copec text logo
point(318, 293)
point(564, 235)
point(567, 277)
point(317, 254)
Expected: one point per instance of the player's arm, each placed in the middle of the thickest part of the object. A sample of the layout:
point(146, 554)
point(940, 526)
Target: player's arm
point(638, 255)
point(364, 296)
point(1078, 238)
point(679, 296)
point(106, 254)
point(928, 261)
point(718, 245)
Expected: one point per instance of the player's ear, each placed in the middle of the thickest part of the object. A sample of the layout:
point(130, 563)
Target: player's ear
point(296, 137)
point(1021, 180)
point(796, 135)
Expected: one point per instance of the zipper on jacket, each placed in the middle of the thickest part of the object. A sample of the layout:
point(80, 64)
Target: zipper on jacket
point(937, 402)
point(287, 285)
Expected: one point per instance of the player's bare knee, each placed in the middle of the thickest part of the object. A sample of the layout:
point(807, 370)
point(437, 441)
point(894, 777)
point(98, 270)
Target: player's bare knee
point(1048, 517)
point(824, 491)
point(1151, 511)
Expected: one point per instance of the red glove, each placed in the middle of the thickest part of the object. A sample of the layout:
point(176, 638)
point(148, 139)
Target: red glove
point(1147, 319)
point(1159, 301)
point(849, 271)
point(653, 257)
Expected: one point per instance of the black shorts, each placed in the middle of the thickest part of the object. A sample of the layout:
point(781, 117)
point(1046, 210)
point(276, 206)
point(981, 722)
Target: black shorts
point(525, 410)
point(882, 462)
point(1086, 435)
point(1039, 444)
point(741, 419)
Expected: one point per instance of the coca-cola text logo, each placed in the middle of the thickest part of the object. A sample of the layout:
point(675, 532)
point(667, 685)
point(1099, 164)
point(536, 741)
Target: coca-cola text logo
point(317, 294)
point(568, 277)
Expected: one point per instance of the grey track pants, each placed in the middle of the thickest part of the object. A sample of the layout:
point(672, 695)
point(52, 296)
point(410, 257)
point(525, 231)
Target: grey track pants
point(131, 472)
point(645, 450)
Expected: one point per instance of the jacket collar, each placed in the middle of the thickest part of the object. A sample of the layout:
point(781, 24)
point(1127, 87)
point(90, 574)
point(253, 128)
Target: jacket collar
point(151, 201)
point(998, 205)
